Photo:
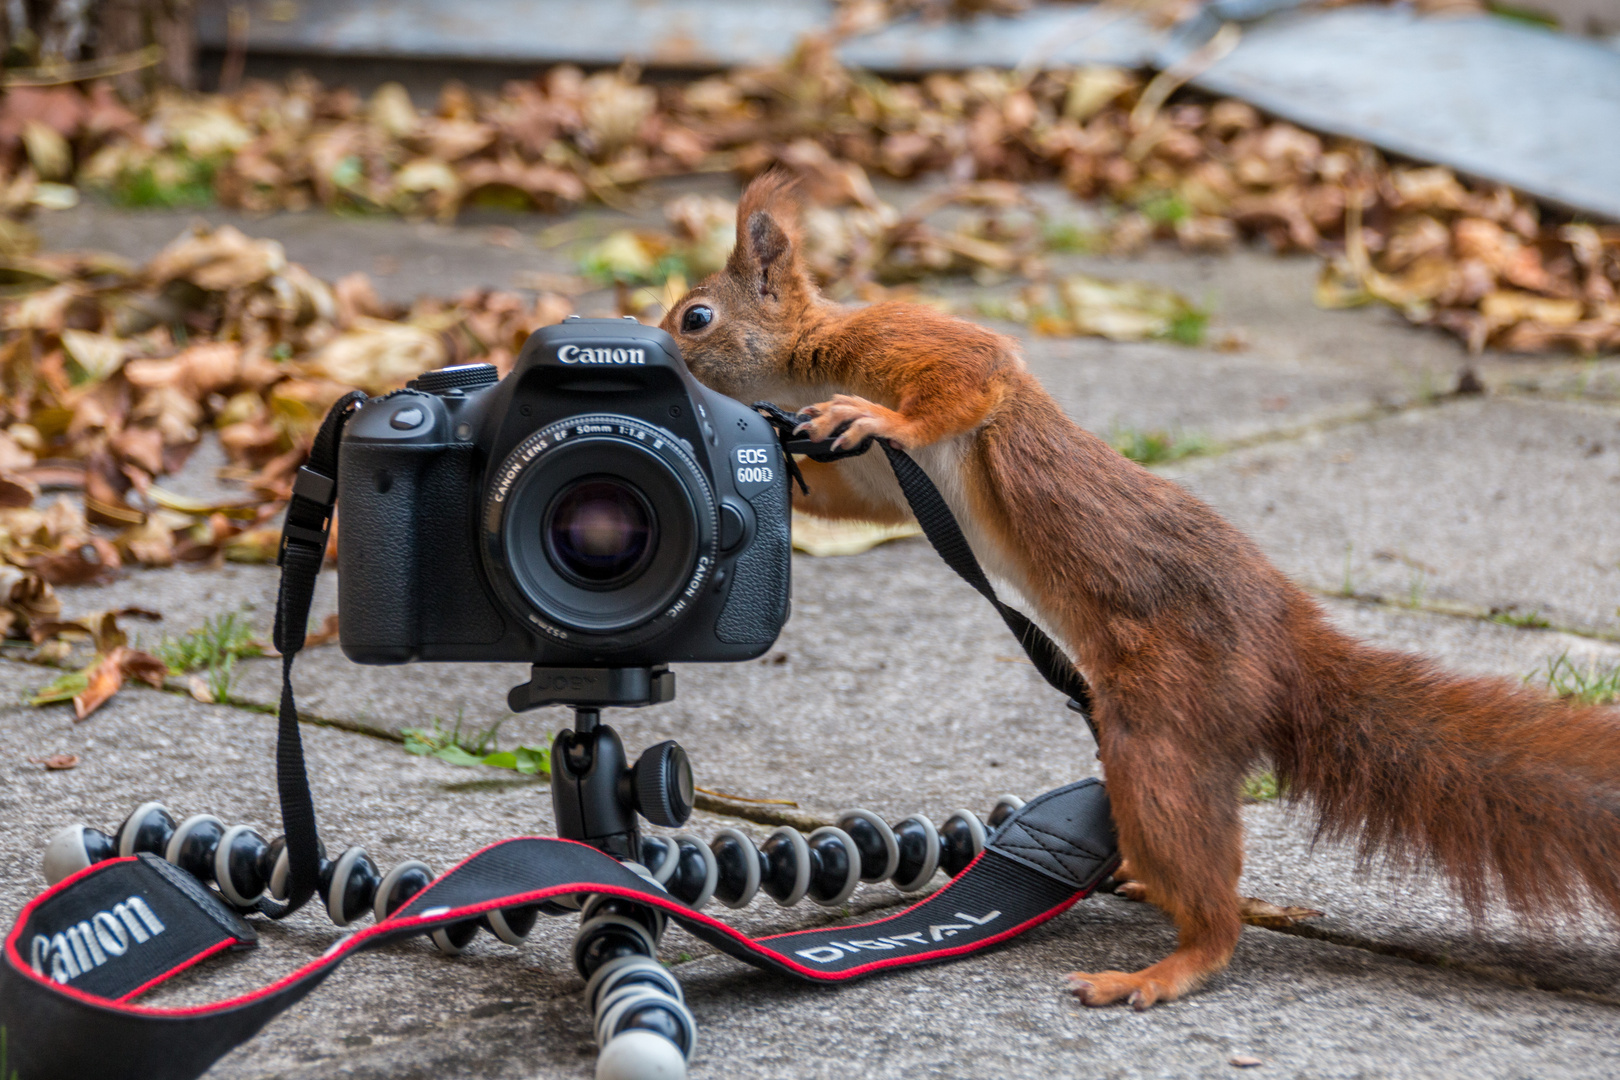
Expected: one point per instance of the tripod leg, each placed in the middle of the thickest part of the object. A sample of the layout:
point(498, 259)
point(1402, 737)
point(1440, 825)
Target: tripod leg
point(642, 1024)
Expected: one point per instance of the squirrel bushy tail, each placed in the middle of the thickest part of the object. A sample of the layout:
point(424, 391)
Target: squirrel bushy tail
point(1510, 793)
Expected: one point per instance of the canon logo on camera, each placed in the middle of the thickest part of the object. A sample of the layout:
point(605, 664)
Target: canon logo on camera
point(574, 354)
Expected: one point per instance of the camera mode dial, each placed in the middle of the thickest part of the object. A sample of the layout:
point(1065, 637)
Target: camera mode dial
point(458, 377)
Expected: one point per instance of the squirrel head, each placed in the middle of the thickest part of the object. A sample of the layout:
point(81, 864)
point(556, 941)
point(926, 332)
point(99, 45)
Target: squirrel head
point(738, 327)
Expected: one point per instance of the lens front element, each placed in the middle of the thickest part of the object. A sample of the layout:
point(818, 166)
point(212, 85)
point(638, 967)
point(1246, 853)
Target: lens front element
point(600, 532)
point(600, 525)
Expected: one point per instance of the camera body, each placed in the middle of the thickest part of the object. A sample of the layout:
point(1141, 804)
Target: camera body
point(598, 507)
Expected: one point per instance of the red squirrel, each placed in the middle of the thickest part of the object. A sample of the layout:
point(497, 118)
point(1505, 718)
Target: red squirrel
point(1204, 659)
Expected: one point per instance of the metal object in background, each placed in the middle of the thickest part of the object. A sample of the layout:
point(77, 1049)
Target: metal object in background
point(1491, 98)
point(671, 33)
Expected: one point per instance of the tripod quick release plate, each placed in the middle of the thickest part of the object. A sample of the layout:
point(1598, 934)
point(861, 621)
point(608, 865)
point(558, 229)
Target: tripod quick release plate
point(627, 687)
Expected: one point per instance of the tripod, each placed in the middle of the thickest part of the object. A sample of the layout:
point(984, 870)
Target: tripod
point(642, 1023)
point(599, 798)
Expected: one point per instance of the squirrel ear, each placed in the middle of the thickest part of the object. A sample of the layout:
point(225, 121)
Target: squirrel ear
point(771, 252)
point(766, 255)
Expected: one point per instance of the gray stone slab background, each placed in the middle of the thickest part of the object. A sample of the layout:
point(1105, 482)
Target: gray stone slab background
point(675, 33)
point(1489, 96)
point(1508, 505)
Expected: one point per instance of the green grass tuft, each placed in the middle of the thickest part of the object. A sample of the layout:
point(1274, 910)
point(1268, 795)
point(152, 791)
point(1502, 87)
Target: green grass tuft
point(1262, 787)
point(1529, 620)
point(1157, 446)
point(1067, 238)
point(466, 748)
point(1164, 208)
point(1591, 685)
point(218, 643)
point(185, 182)
point(1189, 327)
point(212, 648)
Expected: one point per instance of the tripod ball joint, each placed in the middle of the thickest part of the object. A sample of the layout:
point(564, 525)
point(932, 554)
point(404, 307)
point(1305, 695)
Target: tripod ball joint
point(641, 1020)
point(827, 865)
point(246, 868)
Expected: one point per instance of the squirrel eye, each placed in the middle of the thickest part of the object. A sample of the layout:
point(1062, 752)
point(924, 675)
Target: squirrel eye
point(696, 318)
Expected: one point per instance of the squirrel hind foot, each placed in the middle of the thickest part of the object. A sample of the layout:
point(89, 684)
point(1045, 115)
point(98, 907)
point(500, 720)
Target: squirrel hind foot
point(1177, 974)
point(1110, 987)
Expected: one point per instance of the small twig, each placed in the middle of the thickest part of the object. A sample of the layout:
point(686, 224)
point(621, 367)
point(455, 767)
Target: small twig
point(100, 68)
point(746, 798)
point(1177, 75)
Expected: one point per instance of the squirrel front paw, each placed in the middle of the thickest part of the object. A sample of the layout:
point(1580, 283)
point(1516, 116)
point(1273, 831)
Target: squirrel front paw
point(853, 420)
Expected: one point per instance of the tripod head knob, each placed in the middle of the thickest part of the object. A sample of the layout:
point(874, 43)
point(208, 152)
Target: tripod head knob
point(662, 782)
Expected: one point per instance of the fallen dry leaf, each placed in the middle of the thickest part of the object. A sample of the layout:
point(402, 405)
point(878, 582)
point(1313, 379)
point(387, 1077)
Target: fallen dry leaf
point(824, 537)
point(325, 635)
point(198, 688)
point(1256, 912)
point(1242, 1062)
point(59, 762)
point(107, 674)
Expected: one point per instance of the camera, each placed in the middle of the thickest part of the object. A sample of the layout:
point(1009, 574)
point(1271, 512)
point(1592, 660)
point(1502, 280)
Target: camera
point(596, 510)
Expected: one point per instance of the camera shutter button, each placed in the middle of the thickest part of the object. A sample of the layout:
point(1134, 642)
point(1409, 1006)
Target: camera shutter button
point(408, 418)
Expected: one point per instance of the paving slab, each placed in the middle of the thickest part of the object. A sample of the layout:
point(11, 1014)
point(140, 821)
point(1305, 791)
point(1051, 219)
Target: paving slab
point(1498, 504)
point(1291, 367)
point(894, 687)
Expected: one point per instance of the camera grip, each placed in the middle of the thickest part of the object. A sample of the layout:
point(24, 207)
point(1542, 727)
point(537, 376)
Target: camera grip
point(377, 551)
point(757, 604)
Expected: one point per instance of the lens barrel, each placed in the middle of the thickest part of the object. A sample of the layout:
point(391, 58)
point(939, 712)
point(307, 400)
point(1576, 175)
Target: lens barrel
point(600, 525)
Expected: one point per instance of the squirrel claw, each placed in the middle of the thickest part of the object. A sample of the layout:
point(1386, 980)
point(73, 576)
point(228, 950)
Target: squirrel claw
point(849, 421)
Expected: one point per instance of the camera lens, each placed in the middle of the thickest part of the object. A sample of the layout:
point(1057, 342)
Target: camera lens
point(600, 532)
point(600, 524)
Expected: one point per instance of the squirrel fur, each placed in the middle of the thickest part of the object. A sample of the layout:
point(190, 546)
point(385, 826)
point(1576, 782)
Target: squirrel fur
point(1204, 659)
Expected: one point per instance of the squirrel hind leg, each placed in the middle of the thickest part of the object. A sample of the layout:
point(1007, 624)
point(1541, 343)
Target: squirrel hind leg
point(1184, 852)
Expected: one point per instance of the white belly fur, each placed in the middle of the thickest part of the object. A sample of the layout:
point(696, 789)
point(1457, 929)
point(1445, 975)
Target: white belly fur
point(942, 461)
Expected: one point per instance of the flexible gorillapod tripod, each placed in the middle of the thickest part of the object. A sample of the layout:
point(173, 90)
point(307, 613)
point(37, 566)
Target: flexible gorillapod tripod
point(127, 918)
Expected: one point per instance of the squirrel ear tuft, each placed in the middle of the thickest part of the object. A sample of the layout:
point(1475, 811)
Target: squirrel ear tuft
point(768, 243)
point(766, 254)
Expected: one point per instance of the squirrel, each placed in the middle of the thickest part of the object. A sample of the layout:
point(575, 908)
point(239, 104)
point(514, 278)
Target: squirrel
point(1203, 658)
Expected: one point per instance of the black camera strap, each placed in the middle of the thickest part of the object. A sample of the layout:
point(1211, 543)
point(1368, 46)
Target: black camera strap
point(304, 532)
point(83, 950)
point(928, 506)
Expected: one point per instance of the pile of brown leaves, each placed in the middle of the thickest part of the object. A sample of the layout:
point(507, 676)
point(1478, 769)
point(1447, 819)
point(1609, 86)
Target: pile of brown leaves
point(109, 375)
point(1475, 259)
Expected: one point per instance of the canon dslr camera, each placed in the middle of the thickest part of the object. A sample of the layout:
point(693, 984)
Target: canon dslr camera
point(597, 508)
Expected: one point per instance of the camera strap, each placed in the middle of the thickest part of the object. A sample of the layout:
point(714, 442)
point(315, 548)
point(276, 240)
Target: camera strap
point(932, 512)
point(82, 951)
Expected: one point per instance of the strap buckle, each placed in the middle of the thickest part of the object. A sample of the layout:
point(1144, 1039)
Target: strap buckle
point(316, 487)
point(309, 513)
